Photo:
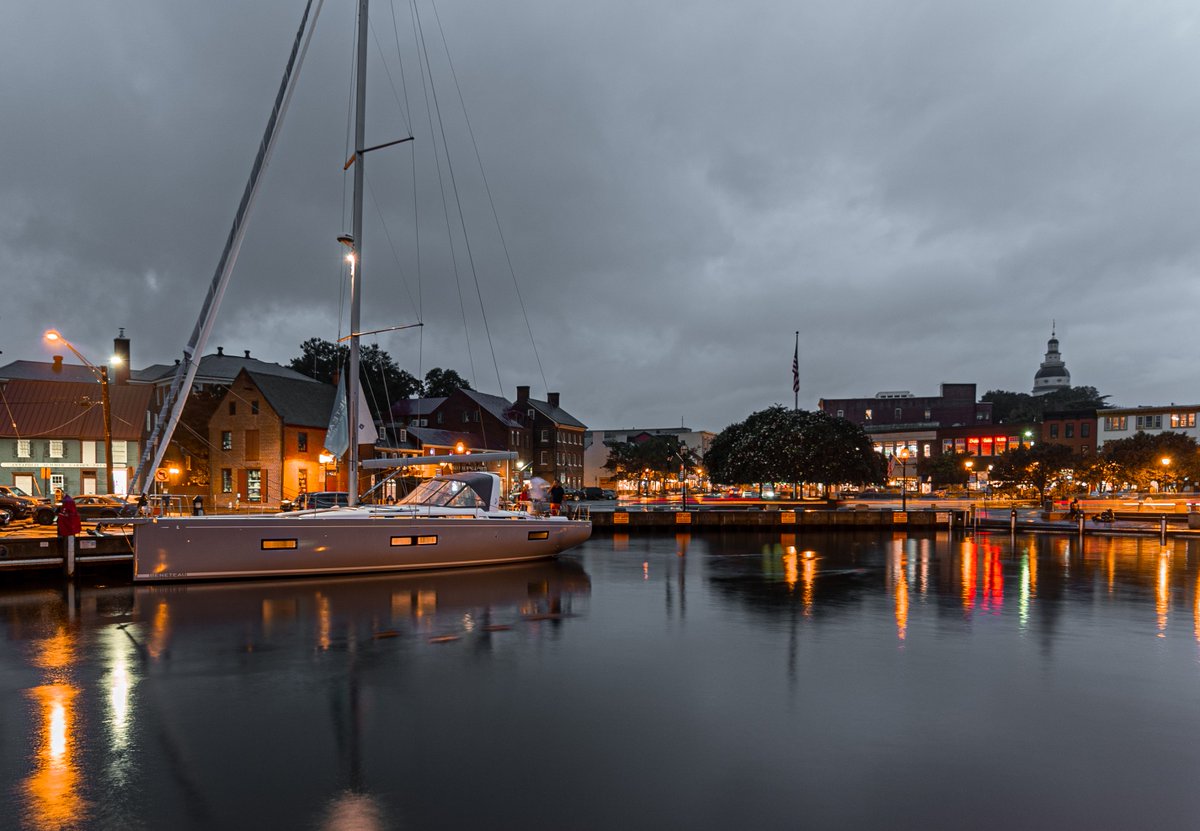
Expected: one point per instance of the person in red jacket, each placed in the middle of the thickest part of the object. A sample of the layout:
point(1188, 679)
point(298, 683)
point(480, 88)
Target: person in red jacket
point(68, 517)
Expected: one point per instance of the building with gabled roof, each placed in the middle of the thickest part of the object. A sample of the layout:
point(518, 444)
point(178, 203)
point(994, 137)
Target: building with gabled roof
point(57, 427)
point(266, 436)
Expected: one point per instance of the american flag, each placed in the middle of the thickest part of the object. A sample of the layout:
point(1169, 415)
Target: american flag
point(796, 368)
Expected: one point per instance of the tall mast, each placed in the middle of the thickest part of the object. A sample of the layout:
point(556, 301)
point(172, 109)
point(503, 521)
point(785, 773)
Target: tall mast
point(352, 382)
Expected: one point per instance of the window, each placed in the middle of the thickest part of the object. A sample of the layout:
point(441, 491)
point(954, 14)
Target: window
point(867, 415)
point(233, 408)
point(252, 445)
point(1068, 431)
point(1183, 419)
point(1053, 431)
point(57, 482)
point(56, 448)
point(254, 490)
point(1116, 423)
point(841, 413)
point(227, 442)
point(947, 445)
point(302, 480)
point(441, 418)
point(302, 442)
point(254, 407)
point(897, 413)
point(1150, 422)
point(120, 453)
point(542, 458)
point(1085, 430)
point(928, 414)
point(22, 448)
point(545, 435)
point(226, 480)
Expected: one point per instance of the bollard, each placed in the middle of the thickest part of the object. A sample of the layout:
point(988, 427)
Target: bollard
point(1080, 521)
point(69, 563)
point(1163, 530)
point(1012, 521)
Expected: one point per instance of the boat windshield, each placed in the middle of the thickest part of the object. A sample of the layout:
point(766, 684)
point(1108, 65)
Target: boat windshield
point(444, 493)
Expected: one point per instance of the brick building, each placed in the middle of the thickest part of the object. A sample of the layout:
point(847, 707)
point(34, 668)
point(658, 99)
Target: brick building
point(956, 406)
point(1075, 429)
point(266, 437)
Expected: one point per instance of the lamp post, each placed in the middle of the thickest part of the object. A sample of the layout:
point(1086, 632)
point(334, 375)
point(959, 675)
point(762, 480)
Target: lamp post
point(1166, 463)
point(969, 464)
point(903, 454)
point(101, 373)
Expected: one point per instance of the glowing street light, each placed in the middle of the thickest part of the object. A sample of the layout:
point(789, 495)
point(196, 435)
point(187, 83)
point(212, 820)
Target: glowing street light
point(101, 373)
point(903, 454)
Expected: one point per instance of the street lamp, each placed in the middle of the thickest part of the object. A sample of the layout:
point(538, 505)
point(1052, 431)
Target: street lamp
point(1166, 463)
point(101, 373)
point(903, 454)
point(969, 464)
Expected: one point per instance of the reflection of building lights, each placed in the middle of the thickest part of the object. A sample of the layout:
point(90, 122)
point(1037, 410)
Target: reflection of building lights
point(791, 569)
point(900, 590)
point(1023, 595)
point(1162, 591)
point(967, 576)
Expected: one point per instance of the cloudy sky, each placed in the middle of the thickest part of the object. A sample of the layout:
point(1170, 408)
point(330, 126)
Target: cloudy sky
point(918, 186)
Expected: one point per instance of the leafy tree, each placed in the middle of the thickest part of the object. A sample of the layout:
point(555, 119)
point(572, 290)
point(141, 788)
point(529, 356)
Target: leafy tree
point(782, 445)
point(1017, 407)
point(1041, 467)
point(442, 382)
point(946, 469)
point(1137, 460)
point(657, 457)
point(382, 381)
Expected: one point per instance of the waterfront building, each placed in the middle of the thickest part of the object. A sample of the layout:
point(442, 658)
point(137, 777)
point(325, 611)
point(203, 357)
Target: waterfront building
point(901, 411)
point(1123, 422)
point(1075, 429)
point(54, 434)
point(1052, 374)
point(267, 435)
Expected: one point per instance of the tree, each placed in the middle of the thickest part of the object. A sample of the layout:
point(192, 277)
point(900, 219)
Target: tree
point(782, 445)
point(656, 457)
point(1041, 467)
point(1021, 407)
point(440, 383)
point(1138, 460)
point(947, 469)
point(382, 381)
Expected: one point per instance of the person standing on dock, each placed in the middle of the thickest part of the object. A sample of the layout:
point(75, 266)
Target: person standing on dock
point(557, 494)
point(68, 517)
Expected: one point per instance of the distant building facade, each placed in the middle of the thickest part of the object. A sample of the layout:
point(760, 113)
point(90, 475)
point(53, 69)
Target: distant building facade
point(956, 406)
point(1123, 422)
point(595, 454)
point(1075, 429)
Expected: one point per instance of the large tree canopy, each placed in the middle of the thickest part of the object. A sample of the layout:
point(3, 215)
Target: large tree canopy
point(442, 382)
point(1041, 467)
point(782, 445)
point(1138, 460)
point(1021, 407)
point(382, 381)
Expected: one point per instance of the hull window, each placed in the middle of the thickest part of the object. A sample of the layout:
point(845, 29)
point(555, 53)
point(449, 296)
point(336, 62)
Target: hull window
point(539, 535)
point(275, 545)
point(426, 540)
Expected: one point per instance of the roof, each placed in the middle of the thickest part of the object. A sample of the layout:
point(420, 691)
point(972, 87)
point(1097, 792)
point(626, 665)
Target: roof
point(301, 403)
point(1052, 372)
point(556, 414)
point(416, 406)
point(220, 368)
point(63, 409)
point(43, 371)
point(500, 407)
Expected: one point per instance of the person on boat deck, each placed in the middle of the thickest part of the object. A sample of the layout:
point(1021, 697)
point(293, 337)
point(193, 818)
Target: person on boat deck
point(556, 498)
point(537, 493)
point(68, 517)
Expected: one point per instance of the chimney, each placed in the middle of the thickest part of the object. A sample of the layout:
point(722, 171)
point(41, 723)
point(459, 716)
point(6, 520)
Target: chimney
point(247, 353)
point(220, 350)
point(121, 350)
point(552, 399)
point(522, 393)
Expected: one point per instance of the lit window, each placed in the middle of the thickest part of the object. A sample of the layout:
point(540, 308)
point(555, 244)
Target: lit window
point(254, 485)
point(56, 448)
point(867, 415)
point(226, 480)
point(227, 440)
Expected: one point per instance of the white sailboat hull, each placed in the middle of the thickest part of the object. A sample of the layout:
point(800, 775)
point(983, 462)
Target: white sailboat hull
point(344, 541)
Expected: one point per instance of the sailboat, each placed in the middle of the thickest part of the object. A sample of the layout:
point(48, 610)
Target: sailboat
point(454, 520)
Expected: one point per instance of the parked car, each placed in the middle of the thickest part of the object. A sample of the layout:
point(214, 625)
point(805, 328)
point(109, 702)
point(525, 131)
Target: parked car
point(318, 499)
point(90, 507)
point(19, 504)
point(5, 518)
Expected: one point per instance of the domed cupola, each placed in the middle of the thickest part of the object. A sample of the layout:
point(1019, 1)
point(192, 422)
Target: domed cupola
point(1053, 374)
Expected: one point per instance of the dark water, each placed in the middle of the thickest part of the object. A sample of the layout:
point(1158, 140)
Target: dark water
point(648, 682)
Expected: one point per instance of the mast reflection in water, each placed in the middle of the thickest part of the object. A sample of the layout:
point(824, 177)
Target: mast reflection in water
point(684, 680)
